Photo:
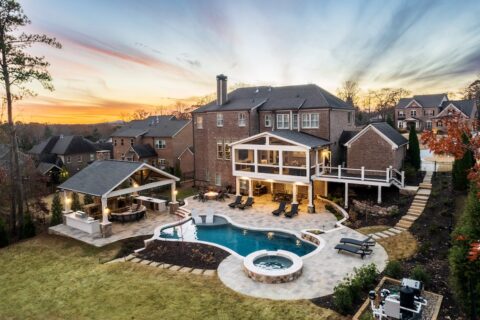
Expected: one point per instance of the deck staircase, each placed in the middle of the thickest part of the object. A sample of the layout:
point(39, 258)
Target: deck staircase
point(416, 209)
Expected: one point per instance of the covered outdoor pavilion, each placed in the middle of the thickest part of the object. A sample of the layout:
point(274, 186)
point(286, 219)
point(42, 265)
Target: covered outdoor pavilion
point(107, 179)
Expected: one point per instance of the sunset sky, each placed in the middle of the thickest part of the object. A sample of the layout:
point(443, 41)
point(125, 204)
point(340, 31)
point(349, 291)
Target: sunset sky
point(119, 55)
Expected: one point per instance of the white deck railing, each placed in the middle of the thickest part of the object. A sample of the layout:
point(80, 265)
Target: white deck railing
point(389, 175)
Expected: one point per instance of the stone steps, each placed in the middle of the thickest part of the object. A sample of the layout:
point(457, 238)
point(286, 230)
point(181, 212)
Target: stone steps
point(396, 231)
point(404, 224)
point(424, 185)
point(410, 217)
point(205, 272)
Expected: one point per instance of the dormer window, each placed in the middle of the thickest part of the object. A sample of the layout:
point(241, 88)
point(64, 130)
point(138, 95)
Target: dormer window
point(219, 119)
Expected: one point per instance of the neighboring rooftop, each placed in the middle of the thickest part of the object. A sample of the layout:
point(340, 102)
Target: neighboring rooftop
point(347, 135)
point(265, 98)
point(425, 100)
point(390, 132)
point(153, 126)
point(63, 145)
point(466, 106)
point(144, 150)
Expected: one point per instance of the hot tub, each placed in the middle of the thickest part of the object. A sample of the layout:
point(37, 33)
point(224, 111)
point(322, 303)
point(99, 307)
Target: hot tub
point(273, 266)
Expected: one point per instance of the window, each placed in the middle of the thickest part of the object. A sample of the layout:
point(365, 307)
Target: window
point(401, 114)
point(242, 119)
point(429, 124)
point(121, 142)
point(294, 121)
point(92, 157)
point(349, 117)
point(227, 150)
point(417, 124)
point(199, 122)
point(219, 149)
point(162, 162)
point(79, 159)
point(400, 125)
point(160, 144)
point(283, 121)
point(413, 113)
point(115, 142)
point(69, 159)
point(207, 175)
point(131, 142)
point(439, 124)
point(268, 120)
point(219, 119)
point(310, 120)
point(218, 179)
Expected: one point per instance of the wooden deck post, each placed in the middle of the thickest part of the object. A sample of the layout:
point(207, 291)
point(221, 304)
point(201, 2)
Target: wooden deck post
point(311, 205)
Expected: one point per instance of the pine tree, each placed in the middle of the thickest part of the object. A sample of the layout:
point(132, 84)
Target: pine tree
point(3, 234)
point(87, 199)
point(56, 210)
point(461, 167)
point(465, 274)
point(76, 206)
point(413, 152)
point(29, 230)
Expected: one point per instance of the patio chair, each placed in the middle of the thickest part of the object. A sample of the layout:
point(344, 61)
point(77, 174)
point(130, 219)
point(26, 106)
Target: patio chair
point(246, 204)
point(368, 242)
point(237, 202)
point(293, 211)
point(353, 249)
point(220, 196)
point(196, 218)
point(281, 209)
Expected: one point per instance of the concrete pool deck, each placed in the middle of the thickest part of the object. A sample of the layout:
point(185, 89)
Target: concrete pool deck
point(321, 271)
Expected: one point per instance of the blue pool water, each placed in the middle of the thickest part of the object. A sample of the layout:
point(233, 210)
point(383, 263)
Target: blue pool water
point(242, 241)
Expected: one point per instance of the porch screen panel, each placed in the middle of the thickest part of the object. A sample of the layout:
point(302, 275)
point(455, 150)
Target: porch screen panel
point(244, 160)
point(295, 163)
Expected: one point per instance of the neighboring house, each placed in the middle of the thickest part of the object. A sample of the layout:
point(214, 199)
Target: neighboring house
point(157, 140)
point(72, 152)
point(286, 139)
point(466, 109)
point(419, 111)
point(5, 157)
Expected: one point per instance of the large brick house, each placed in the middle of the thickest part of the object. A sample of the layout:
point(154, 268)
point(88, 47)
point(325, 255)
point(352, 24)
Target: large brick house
point(286, 139)
point(466, 109)
point(157, 140)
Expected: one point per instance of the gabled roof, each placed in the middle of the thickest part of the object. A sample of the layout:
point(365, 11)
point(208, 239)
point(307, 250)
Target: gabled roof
point(296, 97)
point(425, 100)
point(153, 126)
point(63, 145)
point(102, 176)
point(44, 146)
point(386, 131)
point(465, 106)
point(187, 149)
point(291, 136)
point(45, 167)
point(144, 150)
point(346, 136)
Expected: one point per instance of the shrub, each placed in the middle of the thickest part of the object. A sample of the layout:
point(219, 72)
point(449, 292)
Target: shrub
point(28, 227)
point(56, 210)
point(413, 152)
point(87, 199)
point(420, 274)
point(3, 234)
point(76, 202)
point(342, 298)
point(394, 269)
point(461, 168)
point(410, 172)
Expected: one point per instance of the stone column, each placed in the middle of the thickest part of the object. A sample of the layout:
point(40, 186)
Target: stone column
point(294, 191)
point(346, 196)
point(237, 186)
point(250, 187)
point(379, 197)
point(311, 204)
point(174, 205)
point(105, 225)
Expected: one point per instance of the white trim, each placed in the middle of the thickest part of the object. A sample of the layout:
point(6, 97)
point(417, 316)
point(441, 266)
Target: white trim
point(187, 148)
point(120, 192)
point(175, 134)
point(413, 100)
point(268, 134)
point(361, 133)
point(451, 104)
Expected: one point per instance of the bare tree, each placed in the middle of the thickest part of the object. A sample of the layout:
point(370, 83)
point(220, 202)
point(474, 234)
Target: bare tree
point(140, 114)
point(19, 68)
point(349, 92)
point(472, 91)
point(386, 99)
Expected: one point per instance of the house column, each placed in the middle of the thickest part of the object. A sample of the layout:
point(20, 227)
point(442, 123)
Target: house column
point(294, 191)
point(250, 187)
point(379, 197)
point(346, 196)
point(237, 186)
point(325, 189)
point(173, 203)
point(105, 226)
point(311, 205)
point(66, 202)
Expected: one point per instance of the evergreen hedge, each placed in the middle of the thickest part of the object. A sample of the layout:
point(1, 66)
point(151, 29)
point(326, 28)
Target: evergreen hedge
point(56, 210)
point(413, 152)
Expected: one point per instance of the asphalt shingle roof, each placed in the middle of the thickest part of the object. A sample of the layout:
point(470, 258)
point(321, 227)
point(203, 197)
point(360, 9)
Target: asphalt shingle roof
point(346, 136)
point(300, 137)
point(100, 176)
point(73, 145)
point(466, 106)
point(153, 126)
point(390, 133)
point(144, 150)
point(307, 96)
point(426, 100)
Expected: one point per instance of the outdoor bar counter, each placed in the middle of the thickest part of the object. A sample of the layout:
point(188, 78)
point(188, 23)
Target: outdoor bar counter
point(86, 224)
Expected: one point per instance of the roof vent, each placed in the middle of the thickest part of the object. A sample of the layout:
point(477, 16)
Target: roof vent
point(257, 90)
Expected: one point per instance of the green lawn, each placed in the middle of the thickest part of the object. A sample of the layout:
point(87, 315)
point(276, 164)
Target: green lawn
point(51, 277)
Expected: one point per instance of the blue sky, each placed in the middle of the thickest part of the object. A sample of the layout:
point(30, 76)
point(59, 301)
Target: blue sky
point(119, 55)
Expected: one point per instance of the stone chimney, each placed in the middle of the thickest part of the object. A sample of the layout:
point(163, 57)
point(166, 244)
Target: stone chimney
point(221, 89)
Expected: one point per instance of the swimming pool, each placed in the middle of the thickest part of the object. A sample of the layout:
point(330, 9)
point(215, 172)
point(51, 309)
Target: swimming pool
point(242, 241)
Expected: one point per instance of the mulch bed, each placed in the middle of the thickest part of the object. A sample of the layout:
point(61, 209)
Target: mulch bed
point(186, 254)
point(415, 180)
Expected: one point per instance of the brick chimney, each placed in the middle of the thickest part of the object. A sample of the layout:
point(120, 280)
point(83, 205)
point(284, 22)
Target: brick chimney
point(221, 89)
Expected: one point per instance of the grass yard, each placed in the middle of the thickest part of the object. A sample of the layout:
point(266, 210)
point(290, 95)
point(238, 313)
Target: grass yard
point(402, 246)
point(51, 277)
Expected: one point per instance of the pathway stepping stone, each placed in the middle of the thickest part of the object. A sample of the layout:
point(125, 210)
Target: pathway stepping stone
point(146, 262)
point(209, 273)
point(382, 235)
point(389, 233)
point(374, 236)
point(395, 230)
point(186, 270)
point(401, 229)
point(175, 268)
point(165, 266)
point(129, 257)
point(197, 271)
point(410, 217)
point(155, 264)
point(136, 260)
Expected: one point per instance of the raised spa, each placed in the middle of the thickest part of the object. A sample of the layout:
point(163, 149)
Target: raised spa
point(273, 266)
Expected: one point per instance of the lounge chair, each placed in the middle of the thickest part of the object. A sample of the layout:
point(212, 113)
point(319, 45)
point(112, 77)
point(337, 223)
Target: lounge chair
point(237, 202)
point(368, 242)
point(246, 204)
point(280, 210)
point(209, 218)
point(293, 211)
point(196, 218)
point(353, 249)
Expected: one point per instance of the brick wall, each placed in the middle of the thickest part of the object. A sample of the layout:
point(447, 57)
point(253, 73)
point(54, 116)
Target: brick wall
point(338, 123)
point(75, 165)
